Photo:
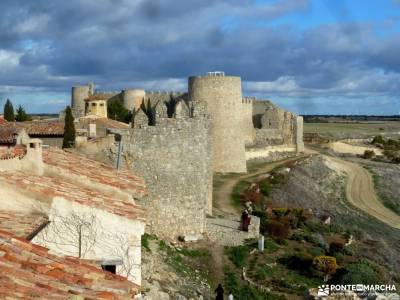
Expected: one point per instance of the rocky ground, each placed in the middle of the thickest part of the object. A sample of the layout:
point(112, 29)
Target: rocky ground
point(174, 272)
point(315, 184)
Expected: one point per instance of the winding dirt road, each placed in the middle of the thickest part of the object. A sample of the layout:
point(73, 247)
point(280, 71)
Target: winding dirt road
point(222, 195)
point(361, 193)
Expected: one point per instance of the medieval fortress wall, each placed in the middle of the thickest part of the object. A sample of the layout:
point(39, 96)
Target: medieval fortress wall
point(174, 157)
point(183, 137)
point(223, 95)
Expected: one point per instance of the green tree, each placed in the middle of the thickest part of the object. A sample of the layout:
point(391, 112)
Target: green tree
point(69, 129)
point(21, 115)
point(9, 111)
point(117, 111)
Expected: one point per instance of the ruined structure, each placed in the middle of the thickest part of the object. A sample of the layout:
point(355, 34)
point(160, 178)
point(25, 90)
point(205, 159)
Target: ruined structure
point(178, 139)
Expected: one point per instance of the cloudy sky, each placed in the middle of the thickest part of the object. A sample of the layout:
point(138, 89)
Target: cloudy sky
point(310, 56)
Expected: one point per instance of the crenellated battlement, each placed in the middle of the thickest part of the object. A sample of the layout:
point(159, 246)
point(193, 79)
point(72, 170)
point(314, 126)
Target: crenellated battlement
point(111, 93)
point(248, 100)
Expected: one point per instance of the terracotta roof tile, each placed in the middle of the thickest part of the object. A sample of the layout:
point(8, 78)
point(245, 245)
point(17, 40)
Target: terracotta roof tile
point(93, 170)
point(13, 152)
point(21, 224)
point(7, 134)
point(45, 188)
point(103, 122)
point(26, 274)
point(36, 128)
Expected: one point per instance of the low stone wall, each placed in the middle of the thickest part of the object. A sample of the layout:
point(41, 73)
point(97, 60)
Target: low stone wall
point(267, 152)
point(227, 232)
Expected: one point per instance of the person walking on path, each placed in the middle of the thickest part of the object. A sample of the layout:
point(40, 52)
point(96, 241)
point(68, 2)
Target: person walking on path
point(220, 292)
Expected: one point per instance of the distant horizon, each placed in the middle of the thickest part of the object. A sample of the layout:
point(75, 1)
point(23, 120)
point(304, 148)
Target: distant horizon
point(307, 56)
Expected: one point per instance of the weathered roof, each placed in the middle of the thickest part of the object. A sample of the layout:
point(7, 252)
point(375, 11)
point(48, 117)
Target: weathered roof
point(23, 225)
point(7, 134)
point(103, 122)
point(37, 128)
point(93, 170)
point(28, 271)
point(45, 188)
point(16, 151)
point(100, 96)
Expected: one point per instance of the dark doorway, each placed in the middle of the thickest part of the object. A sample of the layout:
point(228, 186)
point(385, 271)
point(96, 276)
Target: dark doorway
point(109, 268)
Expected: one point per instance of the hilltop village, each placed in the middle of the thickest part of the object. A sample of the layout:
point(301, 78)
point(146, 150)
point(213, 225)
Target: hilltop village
point(79, 215)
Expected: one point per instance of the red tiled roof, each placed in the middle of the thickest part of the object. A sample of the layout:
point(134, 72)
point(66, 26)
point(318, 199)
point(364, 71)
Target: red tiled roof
point(2, 120)
point(21, 224)
point(28, 271)
point(110, 123)
point(46, 188)
point(16, 151)
point(104, 122)
point(7, 134)
point(37, 128)
point(95, 171)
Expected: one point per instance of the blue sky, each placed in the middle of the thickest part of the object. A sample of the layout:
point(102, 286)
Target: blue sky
point(309, 56)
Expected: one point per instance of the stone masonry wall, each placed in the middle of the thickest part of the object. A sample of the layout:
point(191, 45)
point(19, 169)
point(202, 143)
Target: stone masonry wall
point(174, 158)
point(223, 95)
point(247, 119)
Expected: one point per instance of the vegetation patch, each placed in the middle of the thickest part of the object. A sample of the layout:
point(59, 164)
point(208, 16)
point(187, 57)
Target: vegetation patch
point(193, 263)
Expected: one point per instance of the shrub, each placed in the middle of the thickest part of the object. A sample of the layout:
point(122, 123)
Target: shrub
point(244, 291)
point(265, 188)
point(368, 154)
point(280, 230)
point(378, 140)
point(238, 255)
point(301, 261)
point(361, 272)
point(263, 220)
point(317, 251)
point(336, 246)
point(326, 265)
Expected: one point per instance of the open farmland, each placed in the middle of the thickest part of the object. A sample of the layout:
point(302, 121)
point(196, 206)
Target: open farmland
point(354, 130)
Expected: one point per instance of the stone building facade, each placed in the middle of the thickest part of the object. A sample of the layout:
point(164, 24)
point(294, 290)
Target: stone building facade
point(181, 138)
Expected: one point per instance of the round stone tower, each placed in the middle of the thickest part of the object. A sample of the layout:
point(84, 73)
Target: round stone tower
point(78, 96)
point(133, 98)
point(223, 95)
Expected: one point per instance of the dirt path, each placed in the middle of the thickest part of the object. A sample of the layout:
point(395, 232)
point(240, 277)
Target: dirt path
point(361, 193)
point(222, 197)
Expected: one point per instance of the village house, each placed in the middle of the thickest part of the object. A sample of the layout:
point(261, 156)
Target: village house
point(29, 271)
point(73, 206)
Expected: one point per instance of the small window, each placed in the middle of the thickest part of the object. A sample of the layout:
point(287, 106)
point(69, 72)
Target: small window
point(101, 104)
point(93, 104)
point(109, 268)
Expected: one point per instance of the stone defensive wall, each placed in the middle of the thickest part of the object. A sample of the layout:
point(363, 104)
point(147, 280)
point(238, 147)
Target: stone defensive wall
point(174, 158)
point(276, 131)
point(247, 119)
point(223, 96)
